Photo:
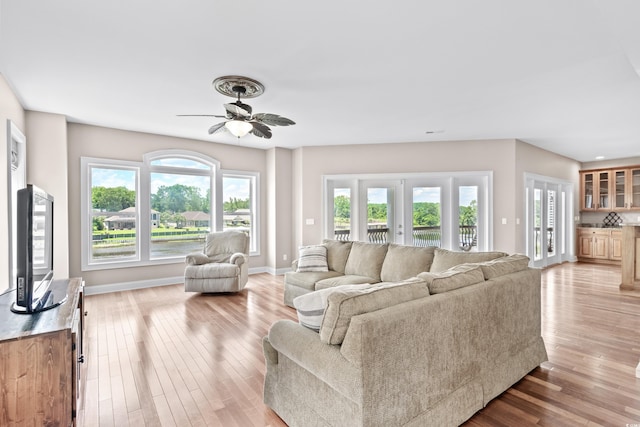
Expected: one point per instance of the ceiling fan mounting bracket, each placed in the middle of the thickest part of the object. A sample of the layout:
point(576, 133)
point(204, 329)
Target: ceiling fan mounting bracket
point(238, 86)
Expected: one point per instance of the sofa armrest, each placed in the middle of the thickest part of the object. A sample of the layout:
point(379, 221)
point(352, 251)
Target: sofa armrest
point(196, 258)
point(238, 259)
point(303, 346)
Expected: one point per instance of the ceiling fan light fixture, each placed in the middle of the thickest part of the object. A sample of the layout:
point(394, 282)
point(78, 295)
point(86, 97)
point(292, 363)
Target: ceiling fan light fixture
point(238, 128)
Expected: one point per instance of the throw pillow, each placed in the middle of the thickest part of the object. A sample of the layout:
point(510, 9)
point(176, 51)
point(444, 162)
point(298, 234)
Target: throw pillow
point(312, 258)
point(343, 305)
point(311, 306)
point(454, 278)
point(444, 259)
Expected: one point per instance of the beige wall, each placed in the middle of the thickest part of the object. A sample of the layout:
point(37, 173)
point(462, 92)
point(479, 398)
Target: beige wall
point(93, 141)
point(10, 109)
point(508, 159)
point(311, 163)
point(47, 168)
point(280, 232)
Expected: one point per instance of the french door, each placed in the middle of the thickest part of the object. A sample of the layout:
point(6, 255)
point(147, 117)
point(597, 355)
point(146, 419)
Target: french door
point(549, 230)
point(381, 220)
point(440, 210)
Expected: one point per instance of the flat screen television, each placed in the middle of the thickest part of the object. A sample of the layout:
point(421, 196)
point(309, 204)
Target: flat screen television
point(34, 257)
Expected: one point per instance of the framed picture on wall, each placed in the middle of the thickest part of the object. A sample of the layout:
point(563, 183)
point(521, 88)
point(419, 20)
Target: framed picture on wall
point(16, 179)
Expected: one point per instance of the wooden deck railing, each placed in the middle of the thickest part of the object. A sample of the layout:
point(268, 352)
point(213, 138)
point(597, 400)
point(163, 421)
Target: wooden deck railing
point(422, 236)
point(549, 242)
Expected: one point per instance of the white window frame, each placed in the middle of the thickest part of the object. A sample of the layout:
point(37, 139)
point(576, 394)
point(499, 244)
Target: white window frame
point(215, 209)
point(143, 203)
point(254, 179)
point(86, 223)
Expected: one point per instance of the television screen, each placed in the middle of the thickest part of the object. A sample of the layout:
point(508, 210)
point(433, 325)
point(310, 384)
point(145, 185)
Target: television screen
point(34, 256)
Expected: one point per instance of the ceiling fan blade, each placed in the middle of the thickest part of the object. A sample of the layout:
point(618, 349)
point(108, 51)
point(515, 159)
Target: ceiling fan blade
point(273, 119)
point(238, 110)
point(215, 128)
point(201, 115)
point(261, 130)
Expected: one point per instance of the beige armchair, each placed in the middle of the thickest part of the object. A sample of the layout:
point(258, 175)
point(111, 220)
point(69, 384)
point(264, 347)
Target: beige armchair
point(223, 266)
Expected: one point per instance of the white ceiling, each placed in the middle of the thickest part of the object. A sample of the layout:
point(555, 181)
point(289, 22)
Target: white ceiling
point(559, 74)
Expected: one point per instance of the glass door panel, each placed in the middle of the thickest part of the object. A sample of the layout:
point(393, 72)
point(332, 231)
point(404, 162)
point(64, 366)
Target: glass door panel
point(342, 213)
point(468, 217)
point(635, 188)
point(619, 184)
point(603, 190)
point(550, 234)
point(588, 191)
point(537, 223)
point(426, 214)
point(379, 214)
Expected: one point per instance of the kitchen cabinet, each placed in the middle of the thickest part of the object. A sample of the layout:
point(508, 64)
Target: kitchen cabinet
point(611, 190)
point(615, 245)
point(601, 245)
point(596, 190)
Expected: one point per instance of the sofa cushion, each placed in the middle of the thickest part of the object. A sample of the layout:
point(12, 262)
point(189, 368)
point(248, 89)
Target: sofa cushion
point(347, 279)
point(311, 306)
point(211, 271)
point(312, 258)
point(402, 262)
point(308, 280)
point(454, 278)
point(222, 243)
point(343, 305)
point(444, 259)
point(365, 259)
point(337, 254)
point(505, 265)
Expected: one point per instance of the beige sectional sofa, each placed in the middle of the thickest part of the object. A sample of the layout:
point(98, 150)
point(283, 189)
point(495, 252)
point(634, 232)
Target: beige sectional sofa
point(361, 262)
point(430, 350)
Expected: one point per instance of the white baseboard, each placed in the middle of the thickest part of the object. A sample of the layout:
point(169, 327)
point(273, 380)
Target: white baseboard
point(141, 284)
point(127, 286)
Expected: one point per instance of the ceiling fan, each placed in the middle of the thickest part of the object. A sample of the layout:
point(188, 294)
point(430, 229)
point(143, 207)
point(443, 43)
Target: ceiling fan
point(240, 117)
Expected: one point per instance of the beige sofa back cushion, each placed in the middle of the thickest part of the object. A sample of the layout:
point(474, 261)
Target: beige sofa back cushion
point(337, 254)
point(402, 262)
point(219, 246)
point(454, 278)
point(444, 259)
point(505, 265)
point(343, 305)
point(365, 259)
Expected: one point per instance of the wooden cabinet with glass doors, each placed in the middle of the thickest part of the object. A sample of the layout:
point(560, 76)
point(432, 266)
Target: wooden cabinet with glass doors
point(610, 189)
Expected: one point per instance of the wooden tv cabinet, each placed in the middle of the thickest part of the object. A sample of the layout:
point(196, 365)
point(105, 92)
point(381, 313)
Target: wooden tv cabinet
point(39, 360)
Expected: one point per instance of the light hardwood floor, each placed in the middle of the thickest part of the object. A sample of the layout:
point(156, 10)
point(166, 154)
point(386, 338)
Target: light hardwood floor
point(160, 356)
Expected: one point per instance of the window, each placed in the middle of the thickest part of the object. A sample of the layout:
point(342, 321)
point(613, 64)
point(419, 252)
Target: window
point(240, 201)
point(160, 209)
point(180, 201)
point(110, 196)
